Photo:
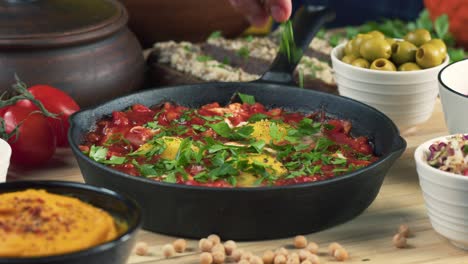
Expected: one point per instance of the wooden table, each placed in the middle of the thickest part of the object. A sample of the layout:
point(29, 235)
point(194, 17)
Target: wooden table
point(368, 237)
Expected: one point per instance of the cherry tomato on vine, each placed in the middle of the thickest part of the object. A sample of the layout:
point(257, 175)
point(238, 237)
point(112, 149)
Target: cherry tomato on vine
point(57, 102)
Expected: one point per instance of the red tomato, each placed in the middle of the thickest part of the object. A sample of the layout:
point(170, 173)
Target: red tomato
point(58, 102)
point(36, 142)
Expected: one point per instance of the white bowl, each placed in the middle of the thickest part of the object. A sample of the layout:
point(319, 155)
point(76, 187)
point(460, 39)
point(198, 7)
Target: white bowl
point(446, 197)
point(408, 98)
point(453, 87)
point(5, 154)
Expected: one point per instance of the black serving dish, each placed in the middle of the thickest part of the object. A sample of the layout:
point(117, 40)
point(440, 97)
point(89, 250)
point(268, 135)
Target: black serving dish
point(261, 212)
point(116, 251)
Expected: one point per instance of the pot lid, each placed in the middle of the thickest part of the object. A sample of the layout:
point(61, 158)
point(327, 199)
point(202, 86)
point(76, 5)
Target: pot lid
point(58, 22)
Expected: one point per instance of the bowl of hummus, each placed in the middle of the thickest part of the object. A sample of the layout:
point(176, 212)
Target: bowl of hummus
point(65, 222)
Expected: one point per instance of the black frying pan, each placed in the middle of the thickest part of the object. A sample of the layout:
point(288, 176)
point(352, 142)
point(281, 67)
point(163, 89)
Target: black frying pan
point(261, 212)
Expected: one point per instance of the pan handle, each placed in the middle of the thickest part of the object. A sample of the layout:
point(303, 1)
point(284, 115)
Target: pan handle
point(307, 22)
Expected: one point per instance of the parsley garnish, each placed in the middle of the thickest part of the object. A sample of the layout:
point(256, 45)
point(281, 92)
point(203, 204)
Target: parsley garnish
point(99, 154)
point(246, 98)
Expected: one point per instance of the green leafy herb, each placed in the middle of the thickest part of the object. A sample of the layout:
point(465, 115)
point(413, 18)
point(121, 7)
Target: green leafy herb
point(199, 128)
point(301, 78)
point(215, 34)
point(226, 60)
point(222, 129)
point(246, 98)
point(243, 52)
point(99, 154)
point(275, 132)
point(441, 26)
point(212, 118)
point(287, 45)
point(334, 40)
point(258, 145)
point(249, 38)
point(152, 125)
point(257, 117)
point(465, 149)
point(456, 54)
point(321, 33)
point(204, 58)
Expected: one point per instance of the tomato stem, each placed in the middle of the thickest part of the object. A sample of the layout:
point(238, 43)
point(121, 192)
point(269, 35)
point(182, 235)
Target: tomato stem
point(21, 93)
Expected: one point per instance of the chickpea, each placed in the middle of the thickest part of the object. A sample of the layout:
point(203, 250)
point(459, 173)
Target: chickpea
point(313, 248)
point(341, 254)
point(168, 250)
point(306, 262)
point(304, 254)
point(141, 249)
point(229, 246)
point(218, 247)
point(300, 242)
point(237, 254)
point(268, 257)
point(280, 259)
point(214, 238)
point(404, 230)
point(293, 261)
point(179, 245)
point(332, 247)
point(314, 259)
point(205, 245)
point(218, 257)
point(243, 261)
point(399, 241)
point(206, 258)
point(256, 260)
point(294, 255)
point(247, 256)
point(281, 251)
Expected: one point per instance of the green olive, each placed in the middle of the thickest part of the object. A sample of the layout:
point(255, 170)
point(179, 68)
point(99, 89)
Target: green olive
point(429, 55)
point(358, 40)
point(441, 44)
point(383, 65)
point(409, 66)
point(361, 63)
point(348, 50)
point(374, 48)
point(390, 41)
point(376, 34)
point(418, 37)
point(348, 58)
point(403, 51)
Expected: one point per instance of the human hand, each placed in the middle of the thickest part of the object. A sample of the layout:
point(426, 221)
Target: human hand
point(258, 11)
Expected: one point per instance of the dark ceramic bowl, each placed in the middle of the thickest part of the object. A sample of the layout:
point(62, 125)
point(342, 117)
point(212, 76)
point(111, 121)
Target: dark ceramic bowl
point(119, 206)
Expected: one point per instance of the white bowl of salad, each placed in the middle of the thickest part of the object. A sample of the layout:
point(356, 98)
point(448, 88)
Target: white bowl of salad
point(5, 154)
point(453, 89)
point(442, 165)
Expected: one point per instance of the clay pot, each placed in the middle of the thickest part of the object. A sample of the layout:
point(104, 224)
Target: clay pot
point(80, 46)
point(190, 20)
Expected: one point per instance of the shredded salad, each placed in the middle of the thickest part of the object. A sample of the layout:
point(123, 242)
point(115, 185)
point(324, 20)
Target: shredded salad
point(450, 155)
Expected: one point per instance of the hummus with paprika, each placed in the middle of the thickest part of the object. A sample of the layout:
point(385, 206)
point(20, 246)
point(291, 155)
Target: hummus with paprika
point(36, 223)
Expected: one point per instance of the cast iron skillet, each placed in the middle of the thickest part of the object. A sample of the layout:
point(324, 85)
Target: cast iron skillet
point(252, 213)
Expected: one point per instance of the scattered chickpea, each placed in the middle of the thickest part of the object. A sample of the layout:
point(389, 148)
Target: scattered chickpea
point(243, 261)
point(218, 247)
point(141, 249)
point(256, 260)
point(293, 261)
point(179, 245)
point(214, 238)
point(247, 255)
point(306, 262)
point(282, 251)
point(237, 254)
point(268, 257)
point(312, 247)
point(205, 245)
point(168, 250)
point(300, 242)
point(218, 257)
point(304, 254)
point(294, 255)
point(332, 247)
point(314, 259)
point(404, 230)
point(229, 246)
point(280, 259)
point(399, 241)
point(206, 258)
point(341, 254)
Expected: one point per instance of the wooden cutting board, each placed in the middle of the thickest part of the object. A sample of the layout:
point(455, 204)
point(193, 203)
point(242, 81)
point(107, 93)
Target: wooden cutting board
point(368, 237)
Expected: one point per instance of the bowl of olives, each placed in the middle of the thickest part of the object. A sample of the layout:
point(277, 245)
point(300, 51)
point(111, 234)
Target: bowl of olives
point(396, 76)
point(453, 89)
